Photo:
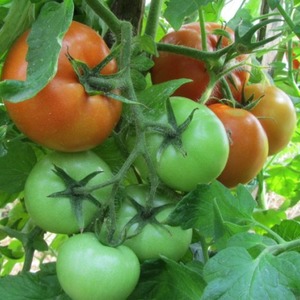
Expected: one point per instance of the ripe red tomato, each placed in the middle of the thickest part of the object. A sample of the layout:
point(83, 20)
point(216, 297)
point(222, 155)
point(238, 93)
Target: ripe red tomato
point(63, 116)
point(170, 66)
point(248, 144)
point(276, 113)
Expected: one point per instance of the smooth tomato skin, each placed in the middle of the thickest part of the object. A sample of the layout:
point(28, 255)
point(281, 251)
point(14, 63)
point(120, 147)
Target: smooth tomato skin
point(168, 66)
point(56, 214)
point(276, 113)
point(153, 241)
point(87, 269)
point(62, 116)
point(248, 145)
point(204, 141)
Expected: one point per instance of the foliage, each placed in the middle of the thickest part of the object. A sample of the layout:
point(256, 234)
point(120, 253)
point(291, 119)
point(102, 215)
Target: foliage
point(246, 240)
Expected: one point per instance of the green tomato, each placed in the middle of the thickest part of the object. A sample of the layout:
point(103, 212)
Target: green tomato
point(204, 141)
point(56, 214)
point(153, 240)
point(89, 270)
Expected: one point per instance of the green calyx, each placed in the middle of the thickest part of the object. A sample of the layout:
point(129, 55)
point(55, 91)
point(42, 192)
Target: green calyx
point(76, 192)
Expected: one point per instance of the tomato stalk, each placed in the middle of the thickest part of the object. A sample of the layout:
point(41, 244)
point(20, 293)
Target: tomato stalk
point(202, 29)
point(153, 18)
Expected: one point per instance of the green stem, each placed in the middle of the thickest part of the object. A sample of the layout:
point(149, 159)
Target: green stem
point(282, 247)
point(261, 192)
point(153, 18)
point(106, 15)
point(202, 29)
point(206, 56)
point(287, 18)
point(276, 236)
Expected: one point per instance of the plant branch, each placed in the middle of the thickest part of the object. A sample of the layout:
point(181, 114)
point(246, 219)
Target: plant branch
point(153, 18)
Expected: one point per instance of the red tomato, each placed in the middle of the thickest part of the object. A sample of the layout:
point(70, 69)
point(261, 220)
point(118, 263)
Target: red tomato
point(170, 66)
point(63, 116)
point(248, 145)
point(276, 113)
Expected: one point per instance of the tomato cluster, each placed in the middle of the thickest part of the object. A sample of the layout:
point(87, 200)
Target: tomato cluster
point(188, 143)
point(261, 120)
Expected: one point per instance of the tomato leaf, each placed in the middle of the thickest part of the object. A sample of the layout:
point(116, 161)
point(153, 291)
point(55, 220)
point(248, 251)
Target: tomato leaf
point(19, 17)
point(44, 42)
point(234, 274)
point(288, 229)
point(167, 279)
point(284, 180)
point(213, 209)
point(15, 167)
point(177, 10)
point(154, 98)
point(40, 285)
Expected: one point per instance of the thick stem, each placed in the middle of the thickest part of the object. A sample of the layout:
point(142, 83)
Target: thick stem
point(153, 18)
point(282, 247)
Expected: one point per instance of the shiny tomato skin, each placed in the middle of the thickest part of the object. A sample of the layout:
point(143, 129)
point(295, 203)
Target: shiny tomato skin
point(248, 145)
point(87, 269)
point(62, 116)
point(170, 66)
point(56, 214)
point(204, 142)
point(276, 113)
point(153, 241)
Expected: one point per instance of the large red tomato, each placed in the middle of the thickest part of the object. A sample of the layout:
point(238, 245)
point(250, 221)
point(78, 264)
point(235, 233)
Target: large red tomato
point(248, 142)
point(170, 66)
point(63, 116)
point(276, 113)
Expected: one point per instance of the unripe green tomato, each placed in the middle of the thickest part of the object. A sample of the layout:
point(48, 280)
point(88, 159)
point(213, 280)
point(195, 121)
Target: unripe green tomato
point(154, 240)
point(89, 270)
point(56, 214)
point(204, 142)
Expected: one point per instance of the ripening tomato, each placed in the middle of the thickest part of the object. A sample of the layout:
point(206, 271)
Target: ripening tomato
point(276, 113)
point(62, 116)
point(248, 142)
point(168, 66)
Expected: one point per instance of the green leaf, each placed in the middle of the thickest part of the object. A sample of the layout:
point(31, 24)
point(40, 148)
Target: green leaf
point(44, 41)
point(154, 98)
point(177, 10)
point(253, 242)
point(19, 17)
point(234, 274)
point(273, 3)
point(40, 285)
point(288, 229)
point(167, 279)
point(15, 167)
point(283, 179)
point(208, 205)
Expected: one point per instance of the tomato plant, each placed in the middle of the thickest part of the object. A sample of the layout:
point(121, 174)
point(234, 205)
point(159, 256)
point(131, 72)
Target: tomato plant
point(190, 186)
point(248, 145)
point(86, 269)
point(148, 237)
point(63, 116)
point(276, 113)
point(58, 213)
point(201, 154)
point(172, 66)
